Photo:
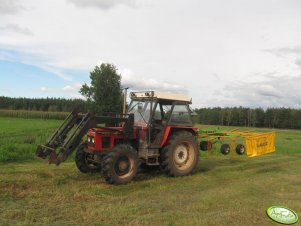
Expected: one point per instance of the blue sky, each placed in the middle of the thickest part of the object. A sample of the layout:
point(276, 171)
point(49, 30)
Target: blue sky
point(25, 80)
point(221, 53)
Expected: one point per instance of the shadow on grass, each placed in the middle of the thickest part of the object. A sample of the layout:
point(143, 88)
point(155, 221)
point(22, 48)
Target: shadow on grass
point(148, 172)
point(207, 165)
point(269, 169)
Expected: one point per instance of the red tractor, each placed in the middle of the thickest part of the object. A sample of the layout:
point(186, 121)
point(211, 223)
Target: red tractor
point(157, 130)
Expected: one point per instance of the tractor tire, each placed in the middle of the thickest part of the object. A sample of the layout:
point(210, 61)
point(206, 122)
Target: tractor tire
point(225, 149)
point(205, 145)
point(180, 156)
point(120, 165)
point(240, 149)
point(82, 160)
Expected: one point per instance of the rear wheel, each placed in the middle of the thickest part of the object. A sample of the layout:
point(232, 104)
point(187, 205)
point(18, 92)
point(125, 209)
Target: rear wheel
point(120, 166)
point(180, 156)
point(86, 162)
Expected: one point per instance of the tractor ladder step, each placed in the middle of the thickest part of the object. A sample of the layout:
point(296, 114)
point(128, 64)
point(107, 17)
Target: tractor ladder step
point(152, 157)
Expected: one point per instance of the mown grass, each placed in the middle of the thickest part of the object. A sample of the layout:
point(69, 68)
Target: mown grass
point(225, 190)
point(222, 192)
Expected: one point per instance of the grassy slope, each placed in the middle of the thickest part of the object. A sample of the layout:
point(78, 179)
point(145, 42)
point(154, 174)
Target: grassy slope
point(226, 190)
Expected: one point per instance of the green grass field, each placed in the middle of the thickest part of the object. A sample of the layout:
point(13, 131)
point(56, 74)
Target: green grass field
point(19, 137)
point(225, 190)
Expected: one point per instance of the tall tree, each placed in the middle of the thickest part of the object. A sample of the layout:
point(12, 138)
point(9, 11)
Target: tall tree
point(104, 93)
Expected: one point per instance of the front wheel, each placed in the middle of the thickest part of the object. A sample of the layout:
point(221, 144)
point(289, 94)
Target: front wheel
point(180, 156)
point(86, 162)
point(120, 166)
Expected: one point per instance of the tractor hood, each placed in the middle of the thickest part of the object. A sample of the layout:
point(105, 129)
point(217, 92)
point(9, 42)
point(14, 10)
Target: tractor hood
point(105, 130)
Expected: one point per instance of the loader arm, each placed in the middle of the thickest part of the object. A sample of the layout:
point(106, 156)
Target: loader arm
point(68, 136)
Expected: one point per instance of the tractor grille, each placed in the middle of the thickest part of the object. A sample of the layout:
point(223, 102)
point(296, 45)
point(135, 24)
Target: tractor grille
point(106, 142)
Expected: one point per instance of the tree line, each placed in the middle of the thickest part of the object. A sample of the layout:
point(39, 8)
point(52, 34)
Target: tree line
point(42, 104)
point(234, 116)
point(248, 117)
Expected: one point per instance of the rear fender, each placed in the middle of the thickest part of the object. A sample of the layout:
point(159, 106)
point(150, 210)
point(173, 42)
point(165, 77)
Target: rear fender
point(172, 129)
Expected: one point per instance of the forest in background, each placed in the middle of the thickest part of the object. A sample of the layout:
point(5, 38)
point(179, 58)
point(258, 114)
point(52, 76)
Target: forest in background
point(284, 118)
point(42, 104)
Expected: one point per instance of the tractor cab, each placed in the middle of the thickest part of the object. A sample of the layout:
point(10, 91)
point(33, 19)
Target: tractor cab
point(160, 108)
point(154, 112)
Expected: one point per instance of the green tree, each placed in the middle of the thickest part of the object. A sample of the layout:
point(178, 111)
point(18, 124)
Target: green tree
point(105, 93)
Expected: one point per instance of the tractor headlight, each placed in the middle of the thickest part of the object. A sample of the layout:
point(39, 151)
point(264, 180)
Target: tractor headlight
point(91, 140)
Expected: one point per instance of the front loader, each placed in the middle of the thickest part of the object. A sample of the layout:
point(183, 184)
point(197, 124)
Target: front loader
point(157, 130)
point(69, 135)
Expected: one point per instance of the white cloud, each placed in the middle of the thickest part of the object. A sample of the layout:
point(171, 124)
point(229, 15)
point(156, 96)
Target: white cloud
point(9, 7)
point(135, 82)
point(68, 88)
point(102, 4)
point(298, 62)
point(281, 91)
point(56, 71)
point(74, 88)
point(7, 92)
point(14, 28)
point(71, 89)
point(283, 51)
point(46, 89)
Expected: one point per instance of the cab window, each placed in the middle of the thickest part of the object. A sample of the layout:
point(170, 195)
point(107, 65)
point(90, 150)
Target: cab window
point(180, 115)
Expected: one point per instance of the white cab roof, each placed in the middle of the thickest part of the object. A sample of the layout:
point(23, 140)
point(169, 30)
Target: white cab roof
point(161, 95)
